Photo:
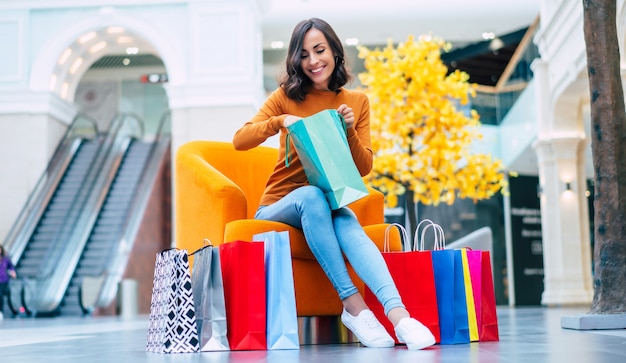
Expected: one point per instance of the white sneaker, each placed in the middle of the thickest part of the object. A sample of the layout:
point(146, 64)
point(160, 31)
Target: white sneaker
point(1, 315)
point(414, 334)
point(367, 329)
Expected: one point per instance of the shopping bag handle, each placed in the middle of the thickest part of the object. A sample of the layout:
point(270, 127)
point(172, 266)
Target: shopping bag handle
point(207, 243)
point(288, 149)
point(440, 238)
point(403, 236)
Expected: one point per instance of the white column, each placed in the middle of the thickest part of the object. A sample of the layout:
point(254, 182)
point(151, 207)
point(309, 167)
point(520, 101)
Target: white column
point(565, 222)
point(223, 85)
point(31, 125)
point(560, 149)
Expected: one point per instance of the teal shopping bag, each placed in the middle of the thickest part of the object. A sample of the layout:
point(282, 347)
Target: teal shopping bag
point(321, 143)
point(282, 317)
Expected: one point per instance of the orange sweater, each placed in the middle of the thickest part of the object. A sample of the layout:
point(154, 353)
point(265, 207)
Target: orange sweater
point(269, 120)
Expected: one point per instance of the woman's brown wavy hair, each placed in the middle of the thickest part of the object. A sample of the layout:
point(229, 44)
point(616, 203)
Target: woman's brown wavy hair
point(296, 83)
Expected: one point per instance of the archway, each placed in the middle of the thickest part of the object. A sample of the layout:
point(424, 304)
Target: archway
point(60, 64)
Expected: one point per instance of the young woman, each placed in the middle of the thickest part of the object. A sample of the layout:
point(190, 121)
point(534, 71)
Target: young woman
point(7, 270)
point(315, 76)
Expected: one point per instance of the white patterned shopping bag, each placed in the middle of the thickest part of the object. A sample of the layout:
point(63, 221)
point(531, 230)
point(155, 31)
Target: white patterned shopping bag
point(172, 327)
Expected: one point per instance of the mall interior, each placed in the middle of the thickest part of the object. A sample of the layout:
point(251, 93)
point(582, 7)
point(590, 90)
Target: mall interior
point(95, 101)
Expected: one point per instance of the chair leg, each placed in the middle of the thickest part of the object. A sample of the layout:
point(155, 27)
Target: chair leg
point(323, 330)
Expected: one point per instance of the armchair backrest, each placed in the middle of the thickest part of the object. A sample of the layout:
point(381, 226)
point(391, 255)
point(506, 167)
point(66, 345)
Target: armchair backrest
point(216, 184)
point(249, 169)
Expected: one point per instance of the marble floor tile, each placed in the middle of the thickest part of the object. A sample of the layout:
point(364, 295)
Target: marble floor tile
point(526, 335)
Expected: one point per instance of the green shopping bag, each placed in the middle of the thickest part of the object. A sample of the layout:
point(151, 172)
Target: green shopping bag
point(321, 143)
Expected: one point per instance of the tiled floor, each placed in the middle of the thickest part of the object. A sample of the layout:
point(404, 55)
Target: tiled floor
point(526, 335)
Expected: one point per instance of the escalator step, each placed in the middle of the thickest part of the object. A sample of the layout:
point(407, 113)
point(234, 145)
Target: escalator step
point(113, 217)
point(88, 271)
point(39, 243)
point(50, 218)
point(28, 271)
point(47, 231)
point(107, 229)
point(96, 255)
point(36, 253)
point(56, 211)
point(72, 289)
point(98, 243)
point(104, 239)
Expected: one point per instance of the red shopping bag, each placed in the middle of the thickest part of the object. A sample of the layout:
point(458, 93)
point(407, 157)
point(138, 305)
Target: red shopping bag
point(243, 272)
point(412, 272)
point(486, 315)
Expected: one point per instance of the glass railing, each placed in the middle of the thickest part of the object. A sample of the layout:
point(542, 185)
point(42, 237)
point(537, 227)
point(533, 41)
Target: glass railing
point(120, 254)
point(82, 128)
point(494, 102)
point(50, 284)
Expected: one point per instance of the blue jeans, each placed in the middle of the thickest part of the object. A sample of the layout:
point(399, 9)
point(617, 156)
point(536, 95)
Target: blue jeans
point(331, 233)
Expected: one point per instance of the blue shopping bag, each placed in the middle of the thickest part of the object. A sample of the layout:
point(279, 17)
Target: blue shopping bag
point(450, 288)
point(282, 318)
point(322, 146)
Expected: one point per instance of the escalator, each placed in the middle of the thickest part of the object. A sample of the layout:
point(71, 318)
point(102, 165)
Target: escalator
point(83, 225)
point(57, 211)
point(109, 224)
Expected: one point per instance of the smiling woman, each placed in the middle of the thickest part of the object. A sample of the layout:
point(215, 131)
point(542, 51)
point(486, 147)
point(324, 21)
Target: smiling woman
point(314, 82)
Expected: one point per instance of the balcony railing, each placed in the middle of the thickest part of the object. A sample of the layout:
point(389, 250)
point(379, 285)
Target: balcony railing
point(493, 102)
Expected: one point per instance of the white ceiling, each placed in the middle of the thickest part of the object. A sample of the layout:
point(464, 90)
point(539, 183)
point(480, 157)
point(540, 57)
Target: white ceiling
point(373, 22)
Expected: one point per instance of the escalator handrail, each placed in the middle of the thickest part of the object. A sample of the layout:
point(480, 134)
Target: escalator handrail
point(65, 252)
point(120, 253)
point(81, 128)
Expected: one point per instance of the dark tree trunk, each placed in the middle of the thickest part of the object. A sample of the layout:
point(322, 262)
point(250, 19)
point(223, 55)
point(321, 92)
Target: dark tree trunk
point(411, 210)
point(608, 125)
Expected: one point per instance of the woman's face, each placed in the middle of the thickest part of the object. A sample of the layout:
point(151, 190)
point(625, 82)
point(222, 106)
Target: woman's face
point(317, 59)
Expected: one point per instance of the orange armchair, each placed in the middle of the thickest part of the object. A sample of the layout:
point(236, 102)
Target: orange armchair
point(217, 192)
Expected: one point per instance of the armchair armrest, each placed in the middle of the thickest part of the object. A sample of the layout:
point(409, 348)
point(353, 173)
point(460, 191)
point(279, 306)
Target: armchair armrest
point(371, 209)
point(205, 201)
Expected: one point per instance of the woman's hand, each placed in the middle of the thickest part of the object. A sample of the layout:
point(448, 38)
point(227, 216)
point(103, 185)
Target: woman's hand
point(348, 115)
point(290, 120)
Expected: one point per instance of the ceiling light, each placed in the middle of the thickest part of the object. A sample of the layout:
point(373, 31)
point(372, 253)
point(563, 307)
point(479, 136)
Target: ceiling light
point(87, 37)
point(115, 30)
point(66, 54)
point(277, 44)
point(488, 35)
point(495, 44)
point(425, 37)
point(53, 82)
point(77, 63)
point(97, 47)
point(132, 50)
point(124, 39)
point(352, 41)
point(64, 90)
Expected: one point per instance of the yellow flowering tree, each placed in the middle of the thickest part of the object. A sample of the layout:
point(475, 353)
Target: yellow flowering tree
point(421, 135)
